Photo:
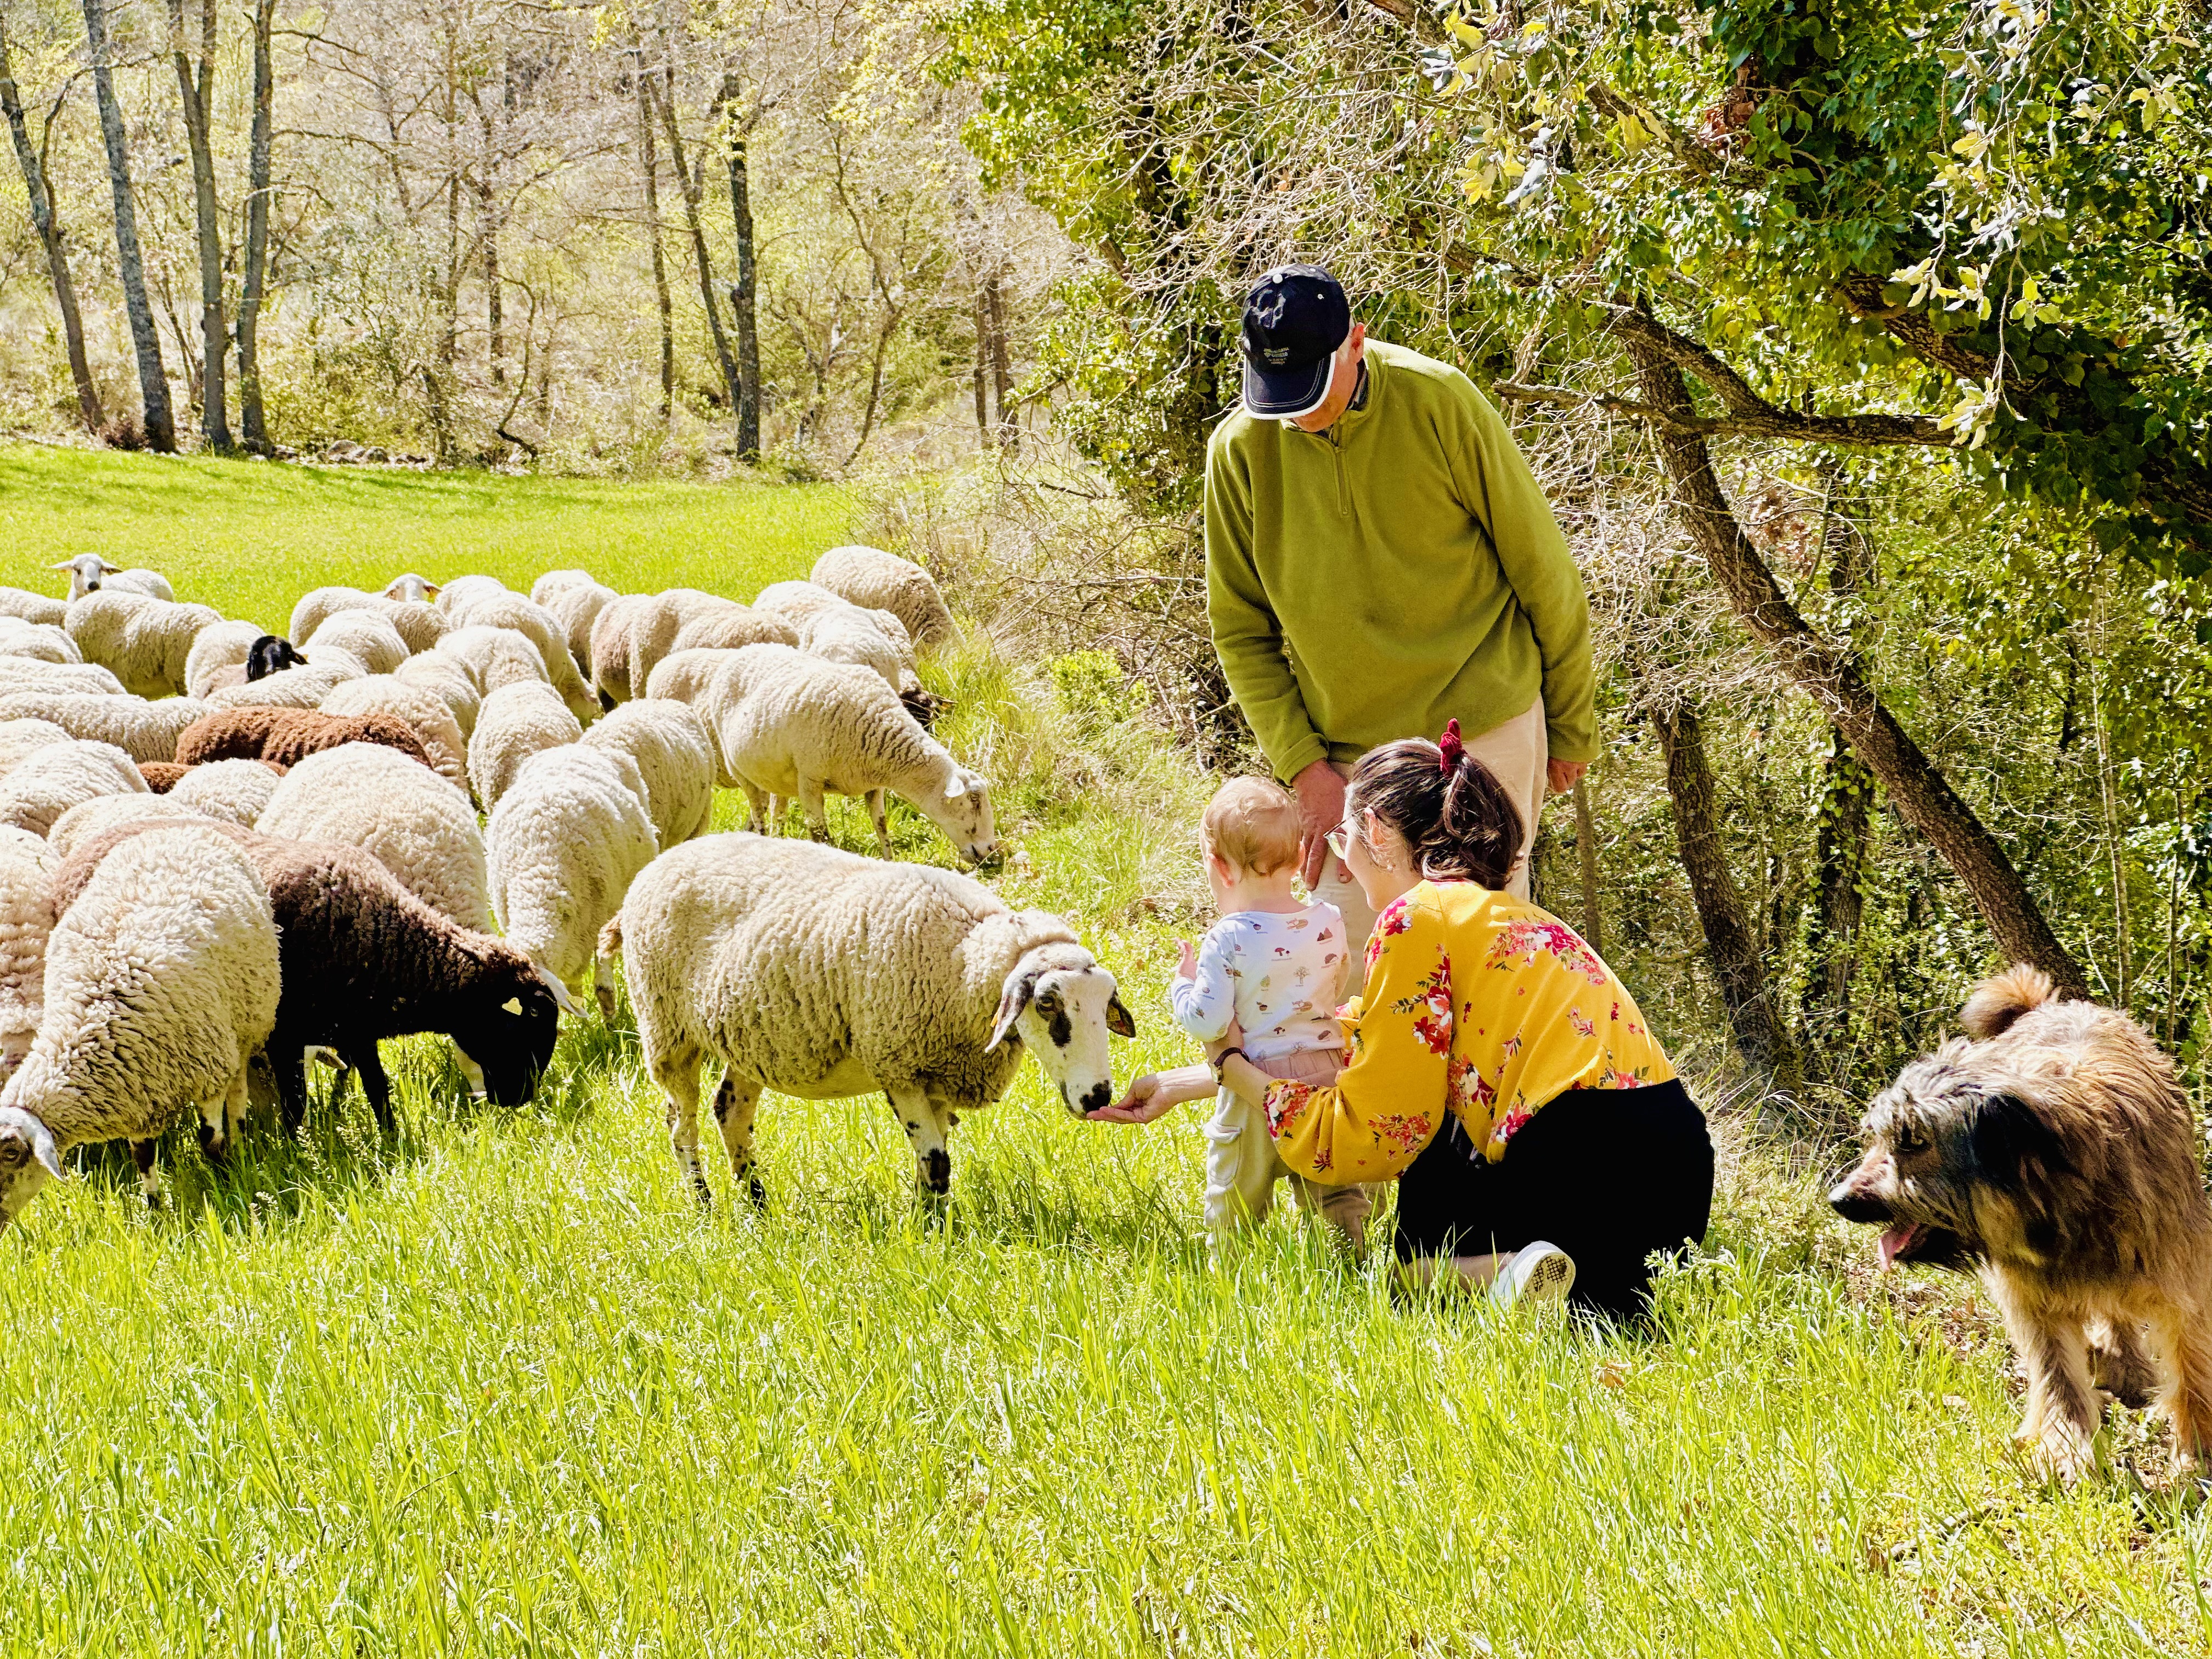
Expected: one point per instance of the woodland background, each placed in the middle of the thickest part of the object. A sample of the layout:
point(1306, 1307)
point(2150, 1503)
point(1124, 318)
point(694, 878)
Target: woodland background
point(1862, 349)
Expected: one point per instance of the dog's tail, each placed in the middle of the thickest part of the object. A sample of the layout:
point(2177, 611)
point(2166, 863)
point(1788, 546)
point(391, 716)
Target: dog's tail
point(2004, 998)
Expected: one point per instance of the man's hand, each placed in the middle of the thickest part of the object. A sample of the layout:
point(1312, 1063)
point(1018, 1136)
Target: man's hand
point(1564, 775)
point(1320, 809)
point(1186, 964)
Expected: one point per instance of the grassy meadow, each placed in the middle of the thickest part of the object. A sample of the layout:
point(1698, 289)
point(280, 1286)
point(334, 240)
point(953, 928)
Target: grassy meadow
point(497, 1387)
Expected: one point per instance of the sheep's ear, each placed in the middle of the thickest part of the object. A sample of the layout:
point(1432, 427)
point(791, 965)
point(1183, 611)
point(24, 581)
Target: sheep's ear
point(107, 569)
point(1117, 1018)
point(431, 590)
point(66, 564)
point(567, 1004)
point(43, 1149)
point(1020, 987)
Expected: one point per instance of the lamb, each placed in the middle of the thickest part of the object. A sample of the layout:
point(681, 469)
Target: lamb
point(411, 589)
point(288, 736)
point(234, 791)
point(823, 975)
point(421, 625)
point(633, 633)
point(431, 721)
point(161, 984)
point(147, 731)
point(224, 645)
point(40, 641)
point(517, 721)
point(91, 817)
point(563, 845)
point(674, 755)
point(70, 678)
point(449, 681)
point(876, 581)
point(26, 606)
point(801, 727)
point(495, 656)
point(28, 866)
point(302, 687)
point(146, 642)
point(90, 573)
point(576, 606)
point(52, 779)
point(372, 796)
point(538, 624)
point(361, 958)
point(360, 634)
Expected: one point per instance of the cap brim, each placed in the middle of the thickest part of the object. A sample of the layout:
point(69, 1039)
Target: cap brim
point(1288, 393)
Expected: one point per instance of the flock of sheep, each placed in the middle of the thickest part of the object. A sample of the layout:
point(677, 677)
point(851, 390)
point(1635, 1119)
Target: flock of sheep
point(222, 850)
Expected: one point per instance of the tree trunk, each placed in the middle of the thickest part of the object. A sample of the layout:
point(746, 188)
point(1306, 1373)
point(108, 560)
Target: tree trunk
point(1002, 373)
point(1746, 992)
point(1825, 672)
point(250, 416)
point(488, 228)
point(195, 85)
point(693, 180)
point(745, 292)
point(145, 343)
point(50, 238)
point(1846, 804)
point(982, 369)
point(650, 160)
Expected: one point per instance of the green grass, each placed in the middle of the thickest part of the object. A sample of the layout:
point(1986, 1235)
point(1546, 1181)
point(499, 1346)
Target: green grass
point(497, 1387)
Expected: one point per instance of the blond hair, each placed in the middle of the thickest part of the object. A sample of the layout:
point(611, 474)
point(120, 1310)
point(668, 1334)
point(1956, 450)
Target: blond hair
point(1253, 825)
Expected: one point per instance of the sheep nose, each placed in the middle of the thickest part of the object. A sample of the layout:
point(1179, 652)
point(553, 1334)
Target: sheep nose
point(1098, 1097)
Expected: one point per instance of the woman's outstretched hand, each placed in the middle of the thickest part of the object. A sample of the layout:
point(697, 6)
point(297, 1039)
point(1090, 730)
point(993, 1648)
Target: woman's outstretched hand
point(1152, 1094)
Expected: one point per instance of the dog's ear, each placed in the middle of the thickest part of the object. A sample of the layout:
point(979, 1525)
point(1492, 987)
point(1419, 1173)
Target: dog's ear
point(2012, 1144)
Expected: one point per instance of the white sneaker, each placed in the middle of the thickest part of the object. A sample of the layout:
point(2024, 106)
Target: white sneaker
point(1539, 1272)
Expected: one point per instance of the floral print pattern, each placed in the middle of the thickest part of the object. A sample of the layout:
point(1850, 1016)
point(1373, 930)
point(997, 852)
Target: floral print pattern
point(1520, 942)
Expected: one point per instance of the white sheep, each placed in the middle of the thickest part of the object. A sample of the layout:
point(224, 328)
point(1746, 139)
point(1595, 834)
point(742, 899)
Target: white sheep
point(27, 916)
point(731, 626)
point(576, 606)
point(224, 646)
point(421, 625)
point(55, 777)
point(20, 739)
point(795, 599)
point(799, 728)
point(418, 825)
point(161, 983)
point(90, 573)
point(411, 589)
point(91, 817)
point(40, 641)
point(70, 678)
point(457, 591)
point(823, 975)
point(293, 688)
point(857, 638)
point(876, 581)
point(26, 606)
point(235, 791)
point(535, 621)
point(517, 721)
point(562, 845)
point(495, 656)
point(674, 755)
point(448, 679)
point(363, 634)
point(146, 642)
point(558, 581)
point(146, 730)
point(633, 633)
point(431, 721)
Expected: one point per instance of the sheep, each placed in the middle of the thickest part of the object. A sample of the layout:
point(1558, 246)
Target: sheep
point(20, 739)
point(794, 600)
point(411, 589)
point(419, 625)
point(517, 721)
point(459, 592)
point(304, 687)
point(686, 676)
point(225, 645)
point(91, 817)
point(364, 633)
point(372, 796)
point(234, 791)
point(28, 865)
point(857, 638)
point(70, 679)
point(821, 974)
point(633, 633)
point(449, 681)
point(431, 721)
point(161, 984)
point(146, 642)
point(731, 628)
point(161, 776)
point(562, 846)
point(538, 624)
point(876, 581)
point(495, 656)
point(576, 607)
point(271, 654)
point(288, 736)
point(39, 642)
point(26, 606)
point(560, 581)
point(800, 727)
point(362, 959)
point(50, 781)
point(90, 573)
point(147, 731)
point(674, 755)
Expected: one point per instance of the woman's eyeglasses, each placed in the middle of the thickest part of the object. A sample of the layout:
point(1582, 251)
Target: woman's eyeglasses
point(1339, 842)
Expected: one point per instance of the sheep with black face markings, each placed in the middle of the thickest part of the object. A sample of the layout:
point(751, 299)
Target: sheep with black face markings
point(217, 649)
point(823, 975)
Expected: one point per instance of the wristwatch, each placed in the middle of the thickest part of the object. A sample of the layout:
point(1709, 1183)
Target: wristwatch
point(1221, 1060)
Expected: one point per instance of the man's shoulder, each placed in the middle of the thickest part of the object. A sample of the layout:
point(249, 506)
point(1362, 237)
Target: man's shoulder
point(1239, 431)
point(1423, 377)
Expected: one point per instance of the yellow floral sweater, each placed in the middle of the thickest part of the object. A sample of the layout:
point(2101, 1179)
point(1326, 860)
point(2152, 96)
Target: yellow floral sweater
point(1475, 1003)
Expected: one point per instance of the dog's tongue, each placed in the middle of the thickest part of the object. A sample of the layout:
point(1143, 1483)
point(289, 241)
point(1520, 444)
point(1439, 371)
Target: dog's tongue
point(1896, 1241)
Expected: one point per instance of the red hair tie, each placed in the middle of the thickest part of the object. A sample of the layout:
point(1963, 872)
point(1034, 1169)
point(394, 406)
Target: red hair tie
point(1450, 748)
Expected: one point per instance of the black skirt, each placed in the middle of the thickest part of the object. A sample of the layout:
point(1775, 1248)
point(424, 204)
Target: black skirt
point(1610, 1175)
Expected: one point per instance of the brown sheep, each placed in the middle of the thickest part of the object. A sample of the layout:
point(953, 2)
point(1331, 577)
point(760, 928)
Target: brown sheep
point(288, 736)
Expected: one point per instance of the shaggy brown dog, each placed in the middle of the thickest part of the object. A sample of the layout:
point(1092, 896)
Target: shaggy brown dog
point(2050, 1151)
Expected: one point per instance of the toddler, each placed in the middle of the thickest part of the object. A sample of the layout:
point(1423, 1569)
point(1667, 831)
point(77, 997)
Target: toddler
point(1271, 963)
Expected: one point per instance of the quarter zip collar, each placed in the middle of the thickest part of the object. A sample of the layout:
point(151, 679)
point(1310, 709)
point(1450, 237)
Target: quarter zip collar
point(1361, 409)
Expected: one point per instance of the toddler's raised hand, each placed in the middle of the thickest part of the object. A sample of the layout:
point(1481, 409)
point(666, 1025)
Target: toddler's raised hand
point(1186, 965)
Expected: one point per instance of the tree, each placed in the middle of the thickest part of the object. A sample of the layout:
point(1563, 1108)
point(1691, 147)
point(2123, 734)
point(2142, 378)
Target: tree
point(146, 344)
point(195, 85)
point(251, 416)
point(45, 221)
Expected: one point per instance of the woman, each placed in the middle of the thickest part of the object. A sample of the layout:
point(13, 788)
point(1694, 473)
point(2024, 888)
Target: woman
point(1496, 1067)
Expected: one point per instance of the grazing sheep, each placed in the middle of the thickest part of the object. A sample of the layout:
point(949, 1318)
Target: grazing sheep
point(495, 656)
point(876, 581)
point(362, 959)
point(857, 638)
point(517, 721)
point(362, 634)
point(288, 736)
point(460, 591)
point(40, 641)
point(147, 731)
point(686, 676)
point(563, 845)
point(448, 680)
point(799, 728)
point(795, 599)
point(372, 796)
point(411, 589)
point(90, 573)
point(162, 983)
point(539, 625)
point(71, 678)
point(50, 780)
point(557, 582)
point(28, 866)
point(574, 601)
point(234, 791)
point(271, 654)
point(633, 633)
point(304, 687)
point(421, 625)
point(91, 817)
point(673, 753)
point(821, 974)
point(146, 642)
point(432, 722)
point(731, 628)
point(226, 645)
point(20, 739)
point(21, 603)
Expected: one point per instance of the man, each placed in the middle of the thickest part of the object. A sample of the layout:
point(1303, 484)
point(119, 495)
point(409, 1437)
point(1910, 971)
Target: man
point(1379, 560)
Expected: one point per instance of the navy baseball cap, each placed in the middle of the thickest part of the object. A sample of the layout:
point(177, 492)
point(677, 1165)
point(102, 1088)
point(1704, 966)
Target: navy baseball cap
point(1295, 318)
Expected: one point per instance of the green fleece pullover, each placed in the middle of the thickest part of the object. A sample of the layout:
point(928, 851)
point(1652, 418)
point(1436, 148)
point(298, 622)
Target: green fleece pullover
point(1402, 569)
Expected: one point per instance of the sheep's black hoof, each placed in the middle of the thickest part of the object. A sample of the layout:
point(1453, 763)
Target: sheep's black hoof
point(939, 1178)
point(703, 1193)
point(215, 1149)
